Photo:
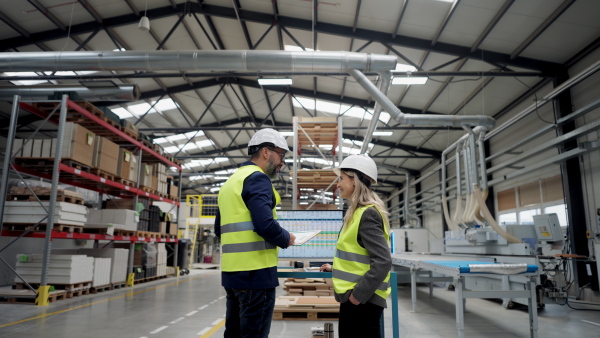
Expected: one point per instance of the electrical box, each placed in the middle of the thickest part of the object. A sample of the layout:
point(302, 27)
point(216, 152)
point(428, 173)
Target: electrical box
point(547, 228)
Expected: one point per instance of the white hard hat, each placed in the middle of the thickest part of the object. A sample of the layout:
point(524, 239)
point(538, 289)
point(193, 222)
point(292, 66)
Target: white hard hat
point(268, 135)
point(362, 163)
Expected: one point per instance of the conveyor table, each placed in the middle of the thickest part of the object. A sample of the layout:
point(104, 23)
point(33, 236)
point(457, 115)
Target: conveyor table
point(457, 269)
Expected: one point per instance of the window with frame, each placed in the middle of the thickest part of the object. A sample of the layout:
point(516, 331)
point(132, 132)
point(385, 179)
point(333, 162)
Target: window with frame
point(518, 205)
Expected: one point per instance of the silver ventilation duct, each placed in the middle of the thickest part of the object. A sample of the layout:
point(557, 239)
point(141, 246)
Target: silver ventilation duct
point(196, 60)
point(117, 93)
point(420, 119)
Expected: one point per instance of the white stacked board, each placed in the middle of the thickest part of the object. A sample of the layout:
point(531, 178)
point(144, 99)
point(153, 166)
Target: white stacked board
point(32, 212)
point(62, 269)
point(119, 259)
point(101, 271)
point(161, 259)
point(119, 219)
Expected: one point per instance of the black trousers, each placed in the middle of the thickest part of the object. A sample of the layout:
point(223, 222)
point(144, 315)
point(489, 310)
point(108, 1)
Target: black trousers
point(362, 320)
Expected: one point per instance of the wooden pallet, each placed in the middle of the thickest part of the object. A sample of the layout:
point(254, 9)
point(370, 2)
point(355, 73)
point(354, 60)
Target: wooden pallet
point(119, 285)
point(125, 182)
point(46, 164)
point(119, 232)
point(77, 229)
point(78, 293)
point(320, 130)
point(100, 288)
point(103, 174)
point(316, 178)
point(66, 287)
point(32, 198)
point(149, 234)
point(27, 296)
point(72, 114)
point(148, 190)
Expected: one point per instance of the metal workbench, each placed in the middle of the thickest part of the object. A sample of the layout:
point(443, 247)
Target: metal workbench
point(456, 269)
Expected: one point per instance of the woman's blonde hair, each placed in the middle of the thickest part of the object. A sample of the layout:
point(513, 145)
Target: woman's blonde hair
point(363, 196)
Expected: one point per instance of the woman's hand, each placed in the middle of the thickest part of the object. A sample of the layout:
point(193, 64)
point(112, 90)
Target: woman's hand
point(325, 268)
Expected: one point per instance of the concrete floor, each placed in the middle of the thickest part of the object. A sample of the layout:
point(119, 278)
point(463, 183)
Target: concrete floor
point(194, 306)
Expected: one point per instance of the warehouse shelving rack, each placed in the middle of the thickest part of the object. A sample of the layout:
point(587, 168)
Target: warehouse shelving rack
point(66, 174)
point(309, 133)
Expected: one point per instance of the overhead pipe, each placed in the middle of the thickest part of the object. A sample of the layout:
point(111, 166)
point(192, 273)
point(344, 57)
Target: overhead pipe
point(196, 60)
point(386, 81)
point(420, 119)
point(92, 94)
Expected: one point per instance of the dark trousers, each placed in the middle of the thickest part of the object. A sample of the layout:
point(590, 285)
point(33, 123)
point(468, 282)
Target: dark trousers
point(362, 320)
point(249, 313)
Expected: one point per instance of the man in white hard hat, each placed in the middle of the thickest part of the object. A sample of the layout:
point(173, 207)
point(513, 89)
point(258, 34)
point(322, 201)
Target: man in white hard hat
point(250, 237)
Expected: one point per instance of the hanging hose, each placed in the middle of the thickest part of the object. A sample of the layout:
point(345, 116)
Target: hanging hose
point(450, 222)
point(491, 221)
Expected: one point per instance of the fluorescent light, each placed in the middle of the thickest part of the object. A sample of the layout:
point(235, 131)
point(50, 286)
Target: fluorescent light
point(286, 133)
point(383, 133)
point(271, 82)
point(411, 80)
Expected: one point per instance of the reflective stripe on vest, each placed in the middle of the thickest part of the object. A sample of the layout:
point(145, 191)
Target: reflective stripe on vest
point(242, 248)
point(352, 261)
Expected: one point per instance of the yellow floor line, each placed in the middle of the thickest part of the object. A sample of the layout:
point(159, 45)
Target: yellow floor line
point(214, 329)
point(101, 301)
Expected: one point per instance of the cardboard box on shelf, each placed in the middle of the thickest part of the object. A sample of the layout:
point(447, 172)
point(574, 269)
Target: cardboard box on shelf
point(130, 127)
point(146, 179)
point(124, 164)
point(78, 144)
point(106, 155)
point(133, 170)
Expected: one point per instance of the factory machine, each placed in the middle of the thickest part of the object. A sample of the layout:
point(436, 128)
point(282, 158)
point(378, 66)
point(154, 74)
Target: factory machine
point(475, 234)
point(541, 244)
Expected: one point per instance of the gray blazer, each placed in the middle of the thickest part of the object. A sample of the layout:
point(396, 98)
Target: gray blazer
point(372, 238)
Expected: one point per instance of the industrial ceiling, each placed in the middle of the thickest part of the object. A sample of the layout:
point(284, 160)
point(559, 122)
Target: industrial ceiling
point(481, 58)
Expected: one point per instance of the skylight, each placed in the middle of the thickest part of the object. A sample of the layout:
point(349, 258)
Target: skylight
point(137, 110)
point(338, 109)
point(25, 82)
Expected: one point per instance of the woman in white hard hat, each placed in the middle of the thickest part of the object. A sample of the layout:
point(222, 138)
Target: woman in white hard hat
point(362, 263)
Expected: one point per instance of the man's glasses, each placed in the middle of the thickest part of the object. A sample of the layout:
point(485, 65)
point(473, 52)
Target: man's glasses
point(281, 155)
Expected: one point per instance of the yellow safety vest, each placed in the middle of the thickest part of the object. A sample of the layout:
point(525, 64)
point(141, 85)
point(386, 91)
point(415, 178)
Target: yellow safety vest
point(242, 248)
point(352, 261)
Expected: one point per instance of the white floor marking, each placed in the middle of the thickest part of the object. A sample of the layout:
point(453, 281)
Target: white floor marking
point(191, 313)
point(177, 320)
point(587, 321)
point(159, 329)
point(203, 331)
point(216, 322)
point(203, 307)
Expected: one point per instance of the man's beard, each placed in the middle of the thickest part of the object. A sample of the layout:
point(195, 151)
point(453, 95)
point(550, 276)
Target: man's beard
point(271, 170)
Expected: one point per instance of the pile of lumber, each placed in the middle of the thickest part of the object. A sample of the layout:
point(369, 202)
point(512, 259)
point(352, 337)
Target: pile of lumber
point(313, 287)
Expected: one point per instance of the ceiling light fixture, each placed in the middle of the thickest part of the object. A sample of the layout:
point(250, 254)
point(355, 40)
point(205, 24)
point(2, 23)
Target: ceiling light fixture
point(409, 80)
point(275, 82)
point(144, 24)
point(383, 133)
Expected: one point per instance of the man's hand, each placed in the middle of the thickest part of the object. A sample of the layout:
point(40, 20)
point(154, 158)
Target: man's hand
point(292, 239)
point(325, 268)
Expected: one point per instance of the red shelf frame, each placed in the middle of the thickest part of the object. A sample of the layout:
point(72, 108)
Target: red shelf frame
point(127, 189)
point(72, 235)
